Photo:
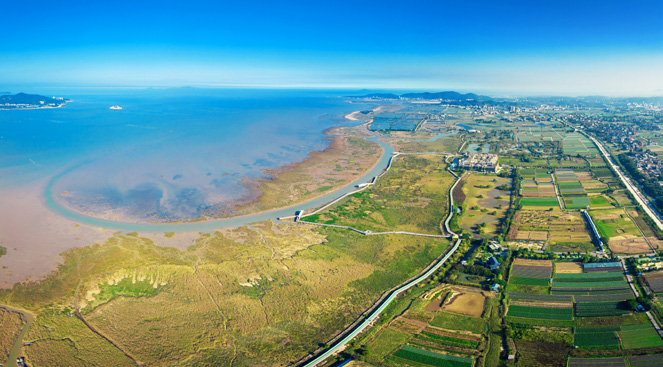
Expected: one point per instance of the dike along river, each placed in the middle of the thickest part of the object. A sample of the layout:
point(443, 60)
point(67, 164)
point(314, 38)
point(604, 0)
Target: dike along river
point(211, 225)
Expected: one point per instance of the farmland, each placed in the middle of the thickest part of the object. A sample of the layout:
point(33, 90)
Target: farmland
point(622, 232)
point(433, 328)
point(562, 231)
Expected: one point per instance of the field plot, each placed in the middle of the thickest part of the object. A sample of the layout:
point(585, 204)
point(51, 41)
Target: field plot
point(540, 202)
point(622, 233)
point(565, 175)
point(639, 336)
point(568, 232)
point(465, 302)
point(596, 294)
point(537, 184)
point(597, 362)
point(655, 281)
point(576, 202)
point(599, 201)
point(530, 225)
point(526, 271)
point(562, 231)
point(484, 205)
point(543, 313)
point(597, 337)
point(570, 188)
point(575, 143)
point(568, 267)
point(600, 309)
point(431, 358)
point(652, 360)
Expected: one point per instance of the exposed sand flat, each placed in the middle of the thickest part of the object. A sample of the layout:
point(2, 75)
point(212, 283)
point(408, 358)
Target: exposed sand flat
point(354, 116)
point(35, 237)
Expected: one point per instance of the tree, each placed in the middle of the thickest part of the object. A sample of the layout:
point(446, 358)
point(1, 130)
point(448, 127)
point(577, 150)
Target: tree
point(632, 304)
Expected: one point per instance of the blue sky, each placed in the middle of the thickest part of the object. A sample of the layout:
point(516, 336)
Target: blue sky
point(499, 47)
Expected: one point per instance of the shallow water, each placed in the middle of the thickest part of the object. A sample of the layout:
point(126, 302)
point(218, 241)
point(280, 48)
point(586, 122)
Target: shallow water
point(167, 155)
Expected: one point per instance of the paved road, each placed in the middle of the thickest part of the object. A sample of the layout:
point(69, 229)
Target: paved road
point(368, 321)
point(639, 197)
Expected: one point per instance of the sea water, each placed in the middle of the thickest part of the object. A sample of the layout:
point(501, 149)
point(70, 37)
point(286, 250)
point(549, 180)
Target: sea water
point(168, 155)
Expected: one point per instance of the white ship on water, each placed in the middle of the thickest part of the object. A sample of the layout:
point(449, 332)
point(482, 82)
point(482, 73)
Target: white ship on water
point(116, 107)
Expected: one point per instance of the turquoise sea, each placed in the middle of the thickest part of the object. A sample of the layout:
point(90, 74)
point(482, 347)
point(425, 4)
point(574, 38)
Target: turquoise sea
point(168, 154)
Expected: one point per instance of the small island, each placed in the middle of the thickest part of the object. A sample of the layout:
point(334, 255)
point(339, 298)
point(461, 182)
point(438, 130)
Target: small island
point(116, 107)
point(24, 101)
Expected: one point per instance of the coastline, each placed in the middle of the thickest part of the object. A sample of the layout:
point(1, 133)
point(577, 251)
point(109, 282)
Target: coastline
point(2, 108)
point(347, 157)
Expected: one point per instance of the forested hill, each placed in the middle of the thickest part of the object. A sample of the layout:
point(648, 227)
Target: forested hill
point(24, 100)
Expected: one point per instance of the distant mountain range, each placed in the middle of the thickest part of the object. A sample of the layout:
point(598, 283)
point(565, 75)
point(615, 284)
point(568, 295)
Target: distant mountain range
point(447, 95)
point(28, 101)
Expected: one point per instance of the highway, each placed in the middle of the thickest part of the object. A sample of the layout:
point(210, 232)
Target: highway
point(639, 197)
point(367, 322)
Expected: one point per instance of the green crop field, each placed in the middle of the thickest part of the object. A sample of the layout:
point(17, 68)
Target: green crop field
point(431, 358)
point(448, 320)
point(599, 202)
point(639, 336)
point(598, 276)
point(549, 202)
point(449, 340)
point(576, 202)
point(541, 313)
point(594, 285)
point(596, 337)
point(528, 281)
point(600, 309)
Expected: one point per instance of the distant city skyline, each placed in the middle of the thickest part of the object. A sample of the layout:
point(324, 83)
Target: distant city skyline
point(512, 48)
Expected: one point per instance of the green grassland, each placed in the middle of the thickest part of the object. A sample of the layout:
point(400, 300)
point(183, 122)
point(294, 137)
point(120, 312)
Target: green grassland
point(412, 197)
point(261, 295)
point(447, 144)
point(485, 205)
point(10, 325)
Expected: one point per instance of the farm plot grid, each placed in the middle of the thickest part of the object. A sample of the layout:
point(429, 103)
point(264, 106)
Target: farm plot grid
point(595, 294)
